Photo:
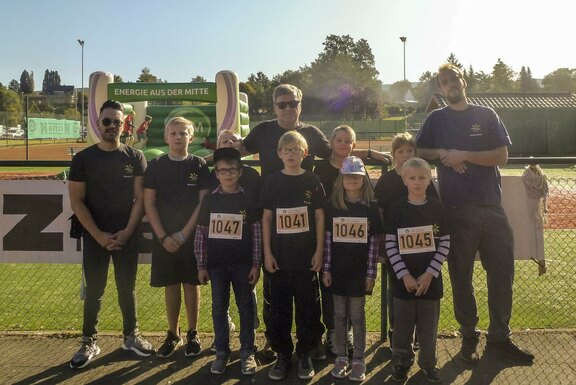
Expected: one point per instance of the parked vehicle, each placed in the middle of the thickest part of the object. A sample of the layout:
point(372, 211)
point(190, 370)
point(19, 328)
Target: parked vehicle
point(14, 133)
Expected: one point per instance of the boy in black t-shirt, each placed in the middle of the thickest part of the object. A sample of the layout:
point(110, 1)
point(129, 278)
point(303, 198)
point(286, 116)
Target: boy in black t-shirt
point(174, 187)
point(228, 252)
point(293, 241)
point(417, 244)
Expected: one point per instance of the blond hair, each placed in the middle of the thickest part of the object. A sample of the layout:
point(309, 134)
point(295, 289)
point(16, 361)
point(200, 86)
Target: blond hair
point(401, 139)
point(224, 133)
point(180, 121)
point(417, 163)
point(344, 128)
point(292, 137)
point(338, 193)
point(449, 67)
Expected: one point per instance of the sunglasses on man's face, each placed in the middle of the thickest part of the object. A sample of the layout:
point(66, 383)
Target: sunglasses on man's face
point(107, 122)
point(291, 103)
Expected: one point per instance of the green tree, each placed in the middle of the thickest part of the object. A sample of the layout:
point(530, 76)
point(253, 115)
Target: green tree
point(147, 77)
point(14, 85)
point(562, 79)
point(526, 83)
point(502, 77)
point(27, 82)
point(425, 89)
point(51, 79)
point(11, 106)
point(454, 60)
point(198, 79)
point(260, 89)
point(118, 79)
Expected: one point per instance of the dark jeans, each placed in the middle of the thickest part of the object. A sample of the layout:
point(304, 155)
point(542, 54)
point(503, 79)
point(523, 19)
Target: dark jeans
point(96, 260)
point(298, 287)
point(484, 229)
point(221, 278)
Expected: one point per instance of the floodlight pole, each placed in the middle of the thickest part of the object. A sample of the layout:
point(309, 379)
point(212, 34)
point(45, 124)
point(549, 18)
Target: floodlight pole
point(403, 40)
point(81, 42)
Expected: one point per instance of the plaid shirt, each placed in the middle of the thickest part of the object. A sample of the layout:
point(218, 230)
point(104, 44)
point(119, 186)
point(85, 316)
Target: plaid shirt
point(373, 251)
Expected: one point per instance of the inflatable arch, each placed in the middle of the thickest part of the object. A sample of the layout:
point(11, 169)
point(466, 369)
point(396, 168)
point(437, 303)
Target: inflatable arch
point(217, 106)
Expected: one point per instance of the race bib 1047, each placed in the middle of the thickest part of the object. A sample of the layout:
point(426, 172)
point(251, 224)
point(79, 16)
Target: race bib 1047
point(225, 226)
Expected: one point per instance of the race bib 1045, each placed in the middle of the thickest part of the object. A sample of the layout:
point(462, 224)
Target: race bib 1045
point(412, 240)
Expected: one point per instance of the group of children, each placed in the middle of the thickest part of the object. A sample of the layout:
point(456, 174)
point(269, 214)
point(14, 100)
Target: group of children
point(309, 231)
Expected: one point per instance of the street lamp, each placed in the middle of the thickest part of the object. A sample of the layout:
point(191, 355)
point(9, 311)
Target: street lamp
point(403, 40)
point(81, 42)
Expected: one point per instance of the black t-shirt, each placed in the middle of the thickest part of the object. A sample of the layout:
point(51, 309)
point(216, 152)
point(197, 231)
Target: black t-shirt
point(109, 178)
point(293, 251)
point(229, 252)
point(404, 214)
point(177, 185)
point(263, 139)
point(250, 181)
point(390, 188)
point(349, 261)
point(327, 174)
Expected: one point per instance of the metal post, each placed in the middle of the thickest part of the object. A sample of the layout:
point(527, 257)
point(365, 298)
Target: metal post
point(81, 42)
point(403, 39)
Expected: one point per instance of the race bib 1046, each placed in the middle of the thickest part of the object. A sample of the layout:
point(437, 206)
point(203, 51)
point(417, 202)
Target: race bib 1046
point(412, 240)
point(350, 229)
point(292, 220)
point(225, 226)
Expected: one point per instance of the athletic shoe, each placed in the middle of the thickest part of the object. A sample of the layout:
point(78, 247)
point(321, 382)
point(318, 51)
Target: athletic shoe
point(85, 354)
point(400, 373)
point(340, 369)
point(193, 346)
point(432, 375)
point(138, 345)
point(280, 369)
point(509, 350)
point(305, 367)
point(358, 372)
point(231, 328)
point(219, 364)
point(170, 344)
point(468, 352)
point(249, 365)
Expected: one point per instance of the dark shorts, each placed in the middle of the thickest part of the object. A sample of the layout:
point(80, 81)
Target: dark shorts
point(170, 269)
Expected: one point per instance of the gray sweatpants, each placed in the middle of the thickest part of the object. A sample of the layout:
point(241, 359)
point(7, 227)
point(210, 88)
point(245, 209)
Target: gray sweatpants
point(349, 308)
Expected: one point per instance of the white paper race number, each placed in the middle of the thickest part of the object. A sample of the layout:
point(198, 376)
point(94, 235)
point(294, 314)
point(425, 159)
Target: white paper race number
point(292, 220)
point(350, 229)
point(412, 240)
point(225, 226)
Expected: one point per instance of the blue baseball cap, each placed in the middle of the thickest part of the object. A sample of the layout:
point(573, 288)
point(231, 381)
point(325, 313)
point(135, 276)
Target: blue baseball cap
point(353, 165)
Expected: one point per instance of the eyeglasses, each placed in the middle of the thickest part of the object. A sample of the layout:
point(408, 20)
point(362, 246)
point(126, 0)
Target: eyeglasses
point(291, 103)
point(230, 141)
point(224, 171)
point(107, 121)
point(295, 150)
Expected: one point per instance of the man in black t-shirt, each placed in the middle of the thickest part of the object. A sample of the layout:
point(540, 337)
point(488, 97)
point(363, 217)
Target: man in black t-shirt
point(105, 188)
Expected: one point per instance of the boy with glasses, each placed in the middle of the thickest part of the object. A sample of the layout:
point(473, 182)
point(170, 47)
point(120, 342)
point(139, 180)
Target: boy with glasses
point(174, 187)
point(105, 188)
point(293, 242)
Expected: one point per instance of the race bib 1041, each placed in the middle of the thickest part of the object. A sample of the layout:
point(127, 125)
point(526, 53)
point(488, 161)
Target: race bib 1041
point(292, 220)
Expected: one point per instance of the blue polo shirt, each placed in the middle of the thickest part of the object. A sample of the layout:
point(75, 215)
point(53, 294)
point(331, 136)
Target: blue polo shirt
point(474, 129)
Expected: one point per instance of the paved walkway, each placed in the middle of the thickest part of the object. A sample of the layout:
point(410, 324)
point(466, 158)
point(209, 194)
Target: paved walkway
point(43, 359)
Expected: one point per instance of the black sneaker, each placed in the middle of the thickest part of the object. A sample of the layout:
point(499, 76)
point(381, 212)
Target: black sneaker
point(509, 350)
point(400, 373)
point(432, 375)
point(468, 352)
point(305, 367)
point(280, 369)
point(85, 354)
point(193, 347)
point(170, 344)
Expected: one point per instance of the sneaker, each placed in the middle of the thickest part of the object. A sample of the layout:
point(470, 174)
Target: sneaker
point(138, 345)
point(319, 353)
point(231, 328)
point(193, 347)
point(280, 369)
point(432, 375)
point(85, 354)
point(305, 367)
point(249, 365)
point(350, 342)
point(170, 344)
point(400, 373)
point(219, 364)
point(468, 351)
point(330, 342)
point(340, 369)
point(509, 350)
point(358, 372)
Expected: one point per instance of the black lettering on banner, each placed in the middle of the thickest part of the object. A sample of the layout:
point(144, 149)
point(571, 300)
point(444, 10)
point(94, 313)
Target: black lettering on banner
point(39, 211)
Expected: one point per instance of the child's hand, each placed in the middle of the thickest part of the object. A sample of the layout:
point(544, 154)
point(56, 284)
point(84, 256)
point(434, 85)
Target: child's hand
point(316, 262)
point(270, 264)
point(424, 283)
point(410, 283)
point(327, 279)
point(203, 276)
point(369, 285)
point(171, 244)
point(253, 276)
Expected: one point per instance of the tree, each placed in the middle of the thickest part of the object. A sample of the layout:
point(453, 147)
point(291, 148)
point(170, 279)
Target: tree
point(11, 105)
point(454, 60)
point(198, 79)
point(398, 91)
point(118, 79)
point(525, 81)
point(426, 88)
point(27, 82)
point(563, 79)
point(147, 77)
point(502, 77)
point(51, 80)
point(14, 85)
point(260, 85)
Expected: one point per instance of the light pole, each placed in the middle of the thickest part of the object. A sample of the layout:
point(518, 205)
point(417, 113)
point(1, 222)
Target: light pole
point(403, 40)
point(81, 42)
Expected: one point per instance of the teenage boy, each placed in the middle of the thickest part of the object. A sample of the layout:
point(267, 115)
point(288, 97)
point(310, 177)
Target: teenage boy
point(293, 242)
point(228, 250)
point(174, 187)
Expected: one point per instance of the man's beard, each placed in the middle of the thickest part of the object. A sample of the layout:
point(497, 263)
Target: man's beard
point(454, 98)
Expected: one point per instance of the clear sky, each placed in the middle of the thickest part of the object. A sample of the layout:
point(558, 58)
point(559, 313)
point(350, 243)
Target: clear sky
point(179, 39)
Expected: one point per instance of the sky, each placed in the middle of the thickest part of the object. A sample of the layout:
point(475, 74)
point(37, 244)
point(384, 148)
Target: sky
point(179, 39)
